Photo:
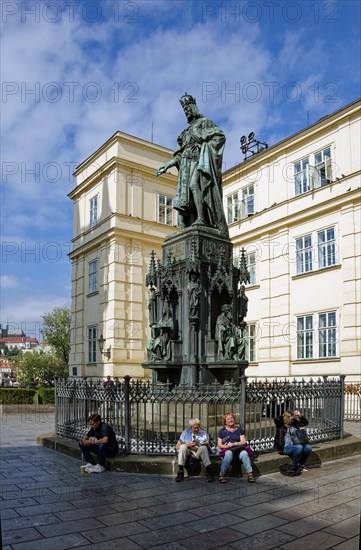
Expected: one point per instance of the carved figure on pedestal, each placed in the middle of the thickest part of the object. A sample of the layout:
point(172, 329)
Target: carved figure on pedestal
point(230, 344)
point(194, 291)
point(242, 303)
point(198, 158)
point(159, 345)
point(152, 306)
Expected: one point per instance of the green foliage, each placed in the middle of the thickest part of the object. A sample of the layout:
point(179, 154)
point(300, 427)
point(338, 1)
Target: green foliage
point(56, 332)
point(17, 396)
point(46, 396)
point(41, 368)
point(15, 354)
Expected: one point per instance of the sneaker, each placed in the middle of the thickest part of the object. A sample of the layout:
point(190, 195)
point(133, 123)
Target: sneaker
point(180, 476)
point(89, 464)
point(98, 469)
point(303, 468)
point(89, 468)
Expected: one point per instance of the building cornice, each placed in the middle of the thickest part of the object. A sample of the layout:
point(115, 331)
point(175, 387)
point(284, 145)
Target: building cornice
point(291, 142)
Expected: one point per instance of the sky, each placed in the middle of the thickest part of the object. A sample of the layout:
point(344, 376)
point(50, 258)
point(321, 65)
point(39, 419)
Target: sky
point(75, 72)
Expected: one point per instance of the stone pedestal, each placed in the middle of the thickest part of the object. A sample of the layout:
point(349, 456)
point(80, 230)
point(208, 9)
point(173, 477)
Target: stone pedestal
point(188, 290)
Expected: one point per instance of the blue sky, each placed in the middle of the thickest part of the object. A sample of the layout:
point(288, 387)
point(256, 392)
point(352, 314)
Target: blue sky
point(73, 73)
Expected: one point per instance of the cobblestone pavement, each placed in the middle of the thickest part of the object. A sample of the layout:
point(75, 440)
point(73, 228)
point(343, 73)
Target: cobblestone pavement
point(47, 504)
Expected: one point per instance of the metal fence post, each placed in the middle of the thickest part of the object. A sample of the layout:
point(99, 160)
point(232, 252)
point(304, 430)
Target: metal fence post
point(242, 405)
point(56, 410)
point(127, 427)
point(342, 404)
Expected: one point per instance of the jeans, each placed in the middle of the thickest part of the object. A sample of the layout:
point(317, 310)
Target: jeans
point(243, 457)
point(298, 453)
point(103, 451)
point(201, 454)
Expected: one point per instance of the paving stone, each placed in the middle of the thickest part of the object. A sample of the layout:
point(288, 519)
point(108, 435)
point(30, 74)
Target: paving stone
point(171, 519)
point(45, 508)
point(8, 513)
point(258, 525)
point(265, 541)
point(132, 515)
point(347, 528)
point(31, 521)
point(162, 536)
point(304, 526)
point(319, 540)
point(69, 527)
point(54, 543)
point(82, 513)
point(350, 544)
point(212, 539)
point(124, 543)
point(215, 522)
point(339, 513)
point(20, 535)
point(114, 532)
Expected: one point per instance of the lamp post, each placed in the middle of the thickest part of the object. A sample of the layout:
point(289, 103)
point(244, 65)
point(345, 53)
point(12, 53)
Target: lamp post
point(101, 342)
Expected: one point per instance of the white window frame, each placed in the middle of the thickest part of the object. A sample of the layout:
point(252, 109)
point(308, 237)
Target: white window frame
point(327, 334)
point(93, 276)
point(326, 247)
point(252, 268)
point(301, 175)
point(165, 211)
point(250, 337)
point(92, 344)
point(317, 335)
point(319, 252)
point(304, 254)
point(93, 210)
point(322, 169)
point(241, 204)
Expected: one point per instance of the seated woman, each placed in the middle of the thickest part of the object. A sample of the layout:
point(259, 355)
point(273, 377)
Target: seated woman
point(287, 440)
point(231, 441)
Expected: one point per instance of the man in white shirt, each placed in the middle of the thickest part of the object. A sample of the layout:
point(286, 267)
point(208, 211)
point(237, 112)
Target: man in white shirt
point(193, 440)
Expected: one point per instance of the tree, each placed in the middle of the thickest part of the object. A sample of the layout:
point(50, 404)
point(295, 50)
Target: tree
point(14, 354)
point(56, 332)
point(40, 367)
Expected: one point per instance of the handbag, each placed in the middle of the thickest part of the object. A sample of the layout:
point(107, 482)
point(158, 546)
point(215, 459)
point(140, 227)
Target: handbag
point(300, 437)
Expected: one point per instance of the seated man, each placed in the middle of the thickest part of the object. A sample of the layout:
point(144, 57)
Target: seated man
point(193, 440)
point(99, 440)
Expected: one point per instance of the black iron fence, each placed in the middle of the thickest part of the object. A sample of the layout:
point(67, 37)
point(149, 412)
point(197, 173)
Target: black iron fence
point(352, 394)
point(148, 419)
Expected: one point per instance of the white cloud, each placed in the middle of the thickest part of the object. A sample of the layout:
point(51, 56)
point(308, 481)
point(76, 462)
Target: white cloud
point(9, 281)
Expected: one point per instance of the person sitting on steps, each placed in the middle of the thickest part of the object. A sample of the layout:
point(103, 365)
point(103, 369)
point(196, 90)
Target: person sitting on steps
point(193, 440)
point(231, 441)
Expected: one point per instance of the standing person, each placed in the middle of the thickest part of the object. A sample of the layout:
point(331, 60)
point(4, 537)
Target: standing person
point(193, 440)
point(198, 158)
point(287, 439)
point(99, 440)
point(231, 441)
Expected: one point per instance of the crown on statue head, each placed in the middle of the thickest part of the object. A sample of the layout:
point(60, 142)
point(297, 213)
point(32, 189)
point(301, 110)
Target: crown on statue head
point(187, 99)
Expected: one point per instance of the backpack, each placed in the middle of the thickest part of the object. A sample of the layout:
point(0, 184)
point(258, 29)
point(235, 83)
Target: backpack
point(290, 470)
point(193, 466)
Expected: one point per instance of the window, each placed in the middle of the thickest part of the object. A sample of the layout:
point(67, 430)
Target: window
point(305, 337)
point(93, 211)
point(322, 168)
point(241, 204)
point(250, 338)
point(321, 329)
point(92, 344)
point(251, 266)
point(327, 334)
point(313, 172)
point(307, 259)
point(93, 276)
point(304, 254)
point(302, 184)
point(166, 213)
point(326, 247)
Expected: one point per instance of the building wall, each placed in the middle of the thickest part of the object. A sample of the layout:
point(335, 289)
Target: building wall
point(281, 294)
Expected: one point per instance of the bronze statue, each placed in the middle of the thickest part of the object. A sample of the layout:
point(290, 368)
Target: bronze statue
point(230, 344)
point(194, 291)
point(198, 158)
point(159, 346)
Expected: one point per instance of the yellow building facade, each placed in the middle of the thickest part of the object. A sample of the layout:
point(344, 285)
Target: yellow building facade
point(294, 207)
